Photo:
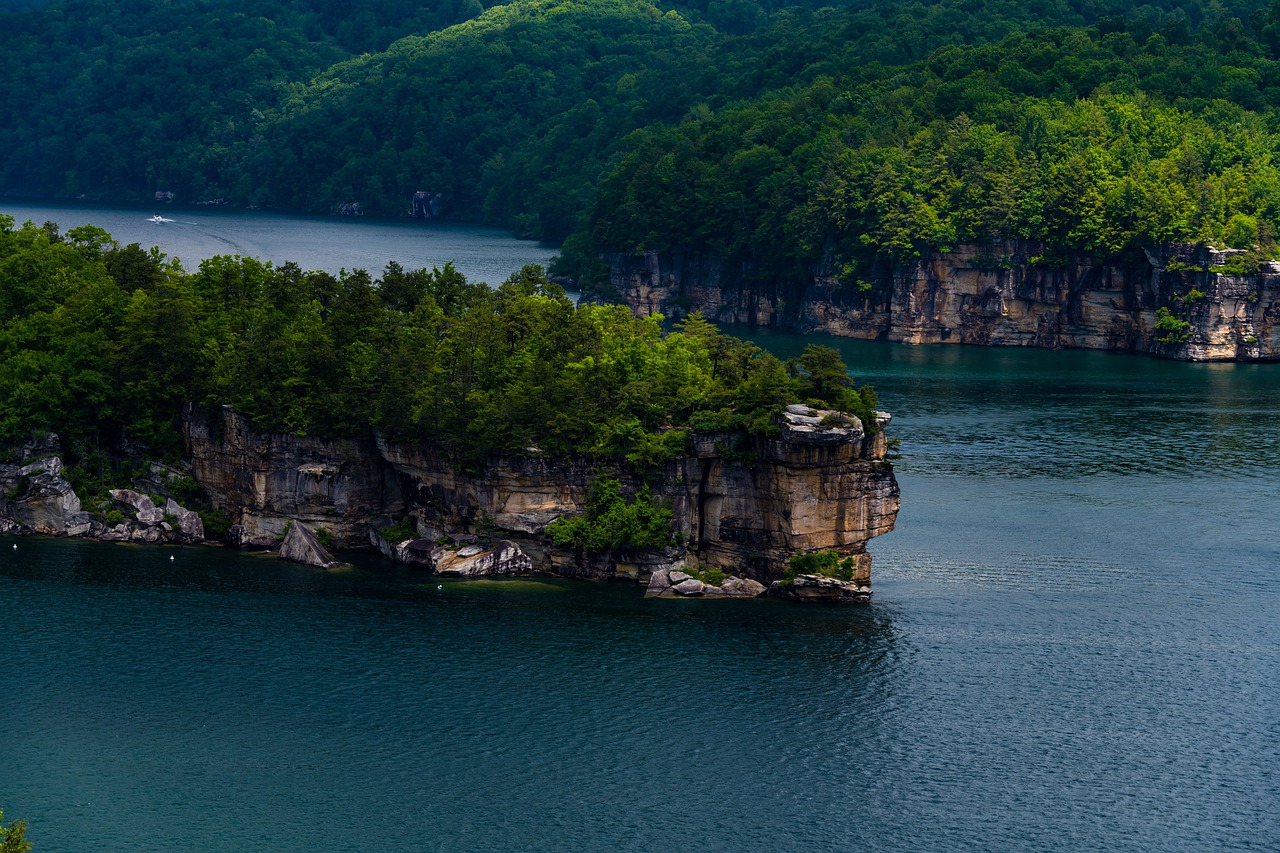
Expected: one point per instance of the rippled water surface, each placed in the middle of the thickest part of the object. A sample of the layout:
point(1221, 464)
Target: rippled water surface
point(1074, 645)
point(329, 243)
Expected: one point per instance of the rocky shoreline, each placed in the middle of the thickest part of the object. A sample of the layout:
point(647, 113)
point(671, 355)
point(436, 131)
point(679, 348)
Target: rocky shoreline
point(741, 507)
point(1221, 304)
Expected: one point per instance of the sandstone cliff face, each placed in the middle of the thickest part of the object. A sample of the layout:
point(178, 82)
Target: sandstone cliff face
point(265, 481)
point(813, 488)
point(1003, 293)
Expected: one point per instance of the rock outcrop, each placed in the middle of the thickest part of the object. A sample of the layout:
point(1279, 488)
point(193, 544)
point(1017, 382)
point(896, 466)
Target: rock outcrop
point(820, 588)
point(37, 498)
point(822, 485)
point(40, 498)
point(1002, 293)
point(266, 481)
point(301, 545)
point(504, 558)
point(668, 583)
point(741, 506)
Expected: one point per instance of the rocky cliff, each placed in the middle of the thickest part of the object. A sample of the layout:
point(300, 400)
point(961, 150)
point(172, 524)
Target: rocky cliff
point(1002, 293)
point(741, 507)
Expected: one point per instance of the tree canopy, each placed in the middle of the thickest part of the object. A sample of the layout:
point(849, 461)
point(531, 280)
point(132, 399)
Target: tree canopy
point(1103, 139)
point(13, 838)
point(105, 343)
point(788, 126)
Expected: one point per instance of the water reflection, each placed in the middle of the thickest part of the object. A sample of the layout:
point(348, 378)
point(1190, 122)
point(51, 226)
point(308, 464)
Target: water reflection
point(1023, 413)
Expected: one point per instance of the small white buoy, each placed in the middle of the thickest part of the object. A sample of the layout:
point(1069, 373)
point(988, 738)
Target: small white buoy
point(438, 586)
point(170, 556)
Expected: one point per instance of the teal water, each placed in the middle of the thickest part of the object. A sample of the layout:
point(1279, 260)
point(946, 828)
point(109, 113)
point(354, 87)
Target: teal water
point(1074, 645)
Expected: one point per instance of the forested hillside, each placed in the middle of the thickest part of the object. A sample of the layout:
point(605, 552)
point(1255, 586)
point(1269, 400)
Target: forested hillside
point(776, 116)
point(1094, 139)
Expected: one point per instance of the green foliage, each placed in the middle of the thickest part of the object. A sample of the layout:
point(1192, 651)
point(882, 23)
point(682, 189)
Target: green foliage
point(611, 524)
point(824, 563)
point(398, 532)
point(186, 490)
point(1170, 329)
point(113, 517)
point(13, 838)
point(423, 355)
point(325, 538)
point(825, 382)
point(19, 488)
point(1247, 264)
point(216, 523)
point(713, 575)
point(1103, 139)
point(813, 114)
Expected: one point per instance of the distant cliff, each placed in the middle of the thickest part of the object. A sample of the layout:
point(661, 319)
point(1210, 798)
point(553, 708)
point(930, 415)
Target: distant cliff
point(1182, 301)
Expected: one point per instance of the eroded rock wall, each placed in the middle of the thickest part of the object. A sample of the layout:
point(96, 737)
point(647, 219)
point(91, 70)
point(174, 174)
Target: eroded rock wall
point(810, 489)
point(1003, 293)
point(264, 481)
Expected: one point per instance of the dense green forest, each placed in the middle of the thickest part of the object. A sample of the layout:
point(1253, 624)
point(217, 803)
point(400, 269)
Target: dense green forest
point(789, 128)
point(105, 343)
point(1085, 139)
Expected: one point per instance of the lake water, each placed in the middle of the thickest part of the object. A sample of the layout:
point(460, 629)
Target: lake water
point(1074, 645)
point(326, 243)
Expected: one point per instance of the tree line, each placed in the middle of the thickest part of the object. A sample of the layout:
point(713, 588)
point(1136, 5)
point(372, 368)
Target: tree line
point(518, 115)
point(104, 344)
point(1099, 139)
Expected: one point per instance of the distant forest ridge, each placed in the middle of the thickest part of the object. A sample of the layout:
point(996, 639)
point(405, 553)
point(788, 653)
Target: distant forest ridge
point(768, 133)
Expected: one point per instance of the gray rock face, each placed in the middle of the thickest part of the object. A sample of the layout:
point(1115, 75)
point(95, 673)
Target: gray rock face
point(689, 587)
point(997, 293)
point(503, 559)
point(41, 447)
point(742, 588)
point(262, 481)
point(142, 507)
point(190, 525)
point(746, 514)
point(819, 588)
point(48, 504)
point(803, 425)
point(301, 546)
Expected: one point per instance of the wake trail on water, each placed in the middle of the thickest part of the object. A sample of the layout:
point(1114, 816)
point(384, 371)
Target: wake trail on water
point(235, 247)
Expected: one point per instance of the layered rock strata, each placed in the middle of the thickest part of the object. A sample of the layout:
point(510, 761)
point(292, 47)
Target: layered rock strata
point(1002, 293)
point(744, 508)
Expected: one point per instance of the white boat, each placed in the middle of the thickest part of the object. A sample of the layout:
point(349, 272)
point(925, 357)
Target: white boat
point(157, 219)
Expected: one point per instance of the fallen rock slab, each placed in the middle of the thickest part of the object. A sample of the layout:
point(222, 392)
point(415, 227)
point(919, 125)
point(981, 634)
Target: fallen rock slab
point(301, 546)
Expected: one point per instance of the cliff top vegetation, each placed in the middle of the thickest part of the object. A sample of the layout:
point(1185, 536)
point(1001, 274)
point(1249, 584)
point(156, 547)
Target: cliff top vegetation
point(105, 343)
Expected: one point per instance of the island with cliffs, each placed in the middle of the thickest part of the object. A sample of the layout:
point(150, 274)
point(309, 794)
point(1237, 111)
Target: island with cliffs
point(465, 430)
